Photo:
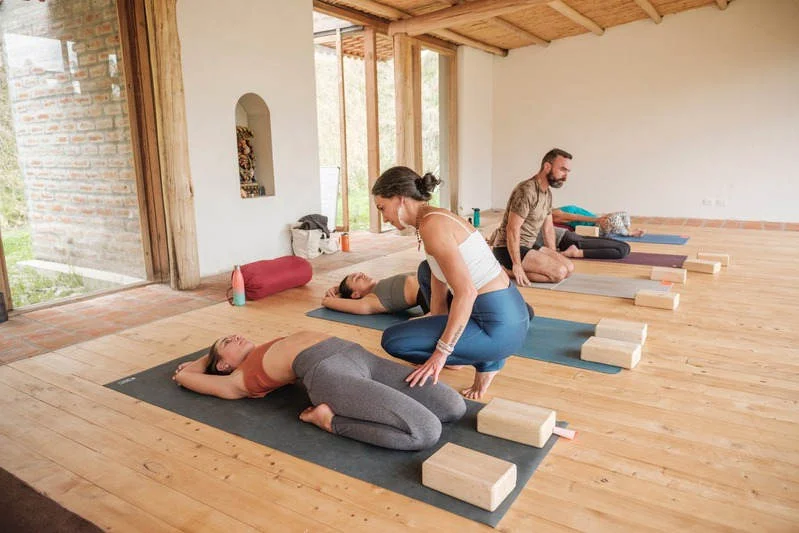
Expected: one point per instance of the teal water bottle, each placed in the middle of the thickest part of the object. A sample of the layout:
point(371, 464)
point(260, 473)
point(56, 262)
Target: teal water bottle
point(476, 217)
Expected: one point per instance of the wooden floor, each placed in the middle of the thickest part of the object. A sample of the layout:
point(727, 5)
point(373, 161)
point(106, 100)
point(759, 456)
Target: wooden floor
point(701, 436)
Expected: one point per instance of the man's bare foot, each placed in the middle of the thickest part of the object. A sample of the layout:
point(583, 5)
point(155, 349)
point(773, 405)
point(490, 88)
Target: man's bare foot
point(638, 233)
point(320, 416)
point(481, 382)
point(572, 251)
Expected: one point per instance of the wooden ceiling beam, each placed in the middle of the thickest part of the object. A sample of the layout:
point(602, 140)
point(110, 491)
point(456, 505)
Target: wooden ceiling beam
point(476, 11)
point(521, 32)
point(722, 4)
point(650, 10)
point(380, 25)
point(390, 12)
point(569, 12)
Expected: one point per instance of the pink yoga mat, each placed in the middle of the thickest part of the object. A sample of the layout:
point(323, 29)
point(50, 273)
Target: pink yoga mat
point(644, 258)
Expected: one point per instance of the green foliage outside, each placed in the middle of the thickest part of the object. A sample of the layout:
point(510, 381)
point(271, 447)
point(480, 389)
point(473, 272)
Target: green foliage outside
point(327, 91)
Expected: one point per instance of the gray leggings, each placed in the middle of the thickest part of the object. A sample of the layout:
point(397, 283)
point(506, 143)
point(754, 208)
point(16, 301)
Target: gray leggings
point(370, 398)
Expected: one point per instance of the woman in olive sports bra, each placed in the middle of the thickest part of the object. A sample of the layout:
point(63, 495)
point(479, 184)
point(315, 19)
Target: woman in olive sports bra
point(355, 393)
point(360, 294)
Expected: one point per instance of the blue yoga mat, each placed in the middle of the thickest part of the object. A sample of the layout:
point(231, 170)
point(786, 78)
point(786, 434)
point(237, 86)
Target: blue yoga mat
point(548, 339)
point(655, 238)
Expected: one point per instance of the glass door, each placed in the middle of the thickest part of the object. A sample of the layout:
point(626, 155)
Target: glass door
point(69, 210)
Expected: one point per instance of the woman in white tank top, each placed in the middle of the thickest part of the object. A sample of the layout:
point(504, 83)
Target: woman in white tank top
point(485, 320)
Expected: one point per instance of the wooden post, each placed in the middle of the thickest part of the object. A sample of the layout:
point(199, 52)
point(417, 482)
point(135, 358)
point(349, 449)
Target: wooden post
point(342, 113)
point(404, 86)
point(4, 285)
point(139, 86)
point(448, 127)
point(372, 122)
point(170, 115)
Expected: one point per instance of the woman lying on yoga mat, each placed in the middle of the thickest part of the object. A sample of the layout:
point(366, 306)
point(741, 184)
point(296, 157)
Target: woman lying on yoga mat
point(354, 393)
point(487, 318)
point(360, 294)
point(574, 245)
point(573, 216)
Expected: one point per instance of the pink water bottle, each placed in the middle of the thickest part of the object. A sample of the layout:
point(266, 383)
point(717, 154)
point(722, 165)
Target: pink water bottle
point(237, 282)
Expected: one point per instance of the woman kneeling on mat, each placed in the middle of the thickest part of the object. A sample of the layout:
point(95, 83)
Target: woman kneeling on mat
point(487, 319)
point(360, 294)
point(354, 393)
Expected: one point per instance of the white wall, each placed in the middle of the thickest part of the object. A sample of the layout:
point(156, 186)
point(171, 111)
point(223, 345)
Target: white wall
point(474, 128)
point(229, 49)
point(703, 107)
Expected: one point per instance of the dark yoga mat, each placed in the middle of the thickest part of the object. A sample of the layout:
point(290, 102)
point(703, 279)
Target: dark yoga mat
point(273, 421)
point(548, 339)
point(650, 259)
point(655, 238)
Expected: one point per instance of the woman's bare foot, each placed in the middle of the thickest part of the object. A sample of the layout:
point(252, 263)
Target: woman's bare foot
point(320, 416)
point(638, 233)
point(481, 382)
point(572, 251)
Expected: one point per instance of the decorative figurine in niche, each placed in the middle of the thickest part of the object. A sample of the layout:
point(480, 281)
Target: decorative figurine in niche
point(249, 185)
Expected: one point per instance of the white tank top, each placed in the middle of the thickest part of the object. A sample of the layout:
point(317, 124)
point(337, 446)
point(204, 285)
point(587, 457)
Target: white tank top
point(483, 266)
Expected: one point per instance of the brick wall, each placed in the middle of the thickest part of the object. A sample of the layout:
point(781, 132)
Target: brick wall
point(67, 91)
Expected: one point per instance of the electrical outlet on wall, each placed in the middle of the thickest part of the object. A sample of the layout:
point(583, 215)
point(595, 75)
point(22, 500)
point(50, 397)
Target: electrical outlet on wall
point(707, 201)
point(721, 202)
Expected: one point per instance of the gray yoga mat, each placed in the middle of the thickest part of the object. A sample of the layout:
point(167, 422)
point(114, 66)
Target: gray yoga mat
point(548, 339)
point(273, 421)
point(603, 285)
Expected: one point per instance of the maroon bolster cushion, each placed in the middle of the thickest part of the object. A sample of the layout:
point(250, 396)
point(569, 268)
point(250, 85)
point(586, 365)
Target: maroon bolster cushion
point(270, 276)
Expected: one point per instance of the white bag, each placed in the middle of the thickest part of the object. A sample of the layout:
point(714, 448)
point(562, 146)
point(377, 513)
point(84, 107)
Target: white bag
point(305, 242)
point(330, 245)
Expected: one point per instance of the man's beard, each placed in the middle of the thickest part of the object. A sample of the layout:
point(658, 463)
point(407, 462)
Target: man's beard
point(555, 183)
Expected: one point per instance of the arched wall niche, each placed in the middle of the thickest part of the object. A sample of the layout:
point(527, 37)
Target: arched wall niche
point(254, 147)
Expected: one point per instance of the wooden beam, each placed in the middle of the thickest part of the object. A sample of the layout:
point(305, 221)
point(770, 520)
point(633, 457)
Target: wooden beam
point(173, 145)
point(452, 132)
point(141, 110)
point(571, 13)
point(380, 25)
point(342, 113)
point(372, 122)
point(722, 4)
point(393, 13)
point(476, 11)
point(521, 32)
point(650, 10)
point(418, 162)
point(5, 287)
point(404, 88)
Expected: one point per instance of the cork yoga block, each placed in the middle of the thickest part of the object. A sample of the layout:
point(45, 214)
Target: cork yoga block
point(469, 475)
point(702, 265)
point(661, 300)
point(516, 421)
point(724, 259)
point(587, 231)
point(622, 330)
point(611, 352)
point(677, 275)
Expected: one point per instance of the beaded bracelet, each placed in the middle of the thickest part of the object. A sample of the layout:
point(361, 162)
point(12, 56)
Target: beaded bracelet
point(445, 348)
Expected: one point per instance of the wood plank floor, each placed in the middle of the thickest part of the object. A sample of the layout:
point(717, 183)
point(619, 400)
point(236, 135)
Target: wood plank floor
point(701, 436)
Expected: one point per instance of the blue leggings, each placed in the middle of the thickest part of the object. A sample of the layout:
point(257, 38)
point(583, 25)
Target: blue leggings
point(496, 329)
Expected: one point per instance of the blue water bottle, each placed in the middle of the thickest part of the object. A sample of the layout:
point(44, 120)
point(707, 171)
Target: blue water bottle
point(476, 217)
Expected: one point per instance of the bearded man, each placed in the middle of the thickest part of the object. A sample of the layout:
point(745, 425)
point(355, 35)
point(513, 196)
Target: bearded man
point(528, 213)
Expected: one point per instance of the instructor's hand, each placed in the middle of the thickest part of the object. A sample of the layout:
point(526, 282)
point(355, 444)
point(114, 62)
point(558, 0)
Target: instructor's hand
point(431, 368)
point(520, 275)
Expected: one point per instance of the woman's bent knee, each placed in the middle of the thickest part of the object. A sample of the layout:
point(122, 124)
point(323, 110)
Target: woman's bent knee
point(425, 432)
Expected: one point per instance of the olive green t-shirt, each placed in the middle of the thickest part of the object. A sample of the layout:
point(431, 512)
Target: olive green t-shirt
point(532, 204)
